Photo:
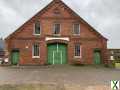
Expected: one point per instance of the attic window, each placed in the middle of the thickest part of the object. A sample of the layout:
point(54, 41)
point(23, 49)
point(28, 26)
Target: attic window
point(56, 12)
point(56, 29)
point(76, 29)
point(37, 29)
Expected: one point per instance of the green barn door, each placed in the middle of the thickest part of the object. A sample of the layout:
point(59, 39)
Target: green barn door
point(63, 50)
point(57, 54)
point(15, 57)
point(51, 49)
point(97, 57)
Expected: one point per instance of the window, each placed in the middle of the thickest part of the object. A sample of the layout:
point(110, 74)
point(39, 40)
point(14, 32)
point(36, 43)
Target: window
point(36, 51)
point(56, 12)
point(37, 28)
point(77, 50)
point(56, 29)
point(76, 29)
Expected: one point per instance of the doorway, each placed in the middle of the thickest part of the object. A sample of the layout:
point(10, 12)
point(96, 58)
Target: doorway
point(57, 53)
point(97, 57)
point(15, 57)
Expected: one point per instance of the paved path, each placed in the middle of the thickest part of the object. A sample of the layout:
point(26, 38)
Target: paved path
point(67, 74)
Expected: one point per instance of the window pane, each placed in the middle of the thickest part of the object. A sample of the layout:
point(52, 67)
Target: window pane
point(36, 50)
point(37, 27)
point(76, 28)
point(56, 28)
point(77, 50)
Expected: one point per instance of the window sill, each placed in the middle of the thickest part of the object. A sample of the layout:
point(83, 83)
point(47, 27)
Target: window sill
point(77, 57)
point(35, 57)
point(36, 34)
point(76, 34)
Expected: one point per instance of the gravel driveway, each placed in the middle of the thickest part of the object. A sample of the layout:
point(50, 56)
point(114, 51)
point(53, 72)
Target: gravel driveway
point(61, 74)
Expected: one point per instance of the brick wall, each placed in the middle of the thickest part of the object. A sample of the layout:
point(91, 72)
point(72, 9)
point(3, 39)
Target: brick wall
point(24, 37)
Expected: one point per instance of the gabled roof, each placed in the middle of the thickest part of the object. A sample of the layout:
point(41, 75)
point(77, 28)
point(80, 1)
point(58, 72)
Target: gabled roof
point(71, 11)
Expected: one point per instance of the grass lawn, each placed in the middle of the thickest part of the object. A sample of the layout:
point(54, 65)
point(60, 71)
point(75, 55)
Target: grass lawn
point(51, 87)
point(28, 87)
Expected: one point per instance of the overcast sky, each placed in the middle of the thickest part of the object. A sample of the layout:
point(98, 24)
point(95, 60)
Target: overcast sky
point(103, 15)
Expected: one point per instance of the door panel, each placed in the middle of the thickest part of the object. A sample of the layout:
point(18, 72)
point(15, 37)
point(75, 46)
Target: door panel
point(97, 57)
point(57, 54)
point(57, 57)
point(15, 58)
point(51, 48)
point(64, 53)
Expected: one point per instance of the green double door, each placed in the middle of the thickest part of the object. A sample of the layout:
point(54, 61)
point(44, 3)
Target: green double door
point(15, 57)
point(57, 54)
point(97, 57)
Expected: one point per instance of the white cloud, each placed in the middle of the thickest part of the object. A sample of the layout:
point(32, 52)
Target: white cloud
point(104, 15)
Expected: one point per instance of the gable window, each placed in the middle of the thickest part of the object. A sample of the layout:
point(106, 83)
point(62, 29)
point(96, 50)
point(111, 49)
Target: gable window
point(37, 29)
point(56, 29)
point(36, 51)
point(56, 12)
point(76, 29)
point(77, 50)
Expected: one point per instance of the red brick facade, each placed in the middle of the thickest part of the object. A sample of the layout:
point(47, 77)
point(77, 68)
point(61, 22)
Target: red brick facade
point(23, 38)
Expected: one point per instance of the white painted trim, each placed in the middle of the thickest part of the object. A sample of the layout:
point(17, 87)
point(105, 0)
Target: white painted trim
point(57, 38)
point(35, 56)
point(74, 30)
point(37, 34)
point(34, 30)
point(80, 51)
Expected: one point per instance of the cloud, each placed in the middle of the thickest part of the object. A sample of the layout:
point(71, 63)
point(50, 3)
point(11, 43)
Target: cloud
point(103, 15)
point(13, 13)
point(6, 12)
point(8, 17)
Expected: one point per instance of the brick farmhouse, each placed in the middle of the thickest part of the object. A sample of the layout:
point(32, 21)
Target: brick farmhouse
point(56, 35)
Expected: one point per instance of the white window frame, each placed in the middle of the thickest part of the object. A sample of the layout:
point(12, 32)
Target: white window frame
point(33, 52)
point(54, 29)
point(34, 30)
point(80, 52)
point(74, 29)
